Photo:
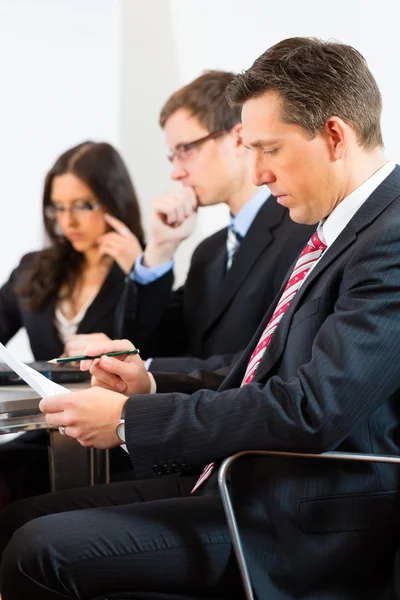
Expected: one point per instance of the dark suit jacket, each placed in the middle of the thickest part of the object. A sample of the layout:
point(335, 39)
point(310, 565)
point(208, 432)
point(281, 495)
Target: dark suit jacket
point(43, 336)
point(330, 380)
point(215, 313)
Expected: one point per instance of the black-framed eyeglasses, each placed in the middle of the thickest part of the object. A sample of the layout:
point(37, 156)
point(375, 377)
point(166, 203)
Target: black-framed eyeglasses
point(79, 209)
point(182, 151)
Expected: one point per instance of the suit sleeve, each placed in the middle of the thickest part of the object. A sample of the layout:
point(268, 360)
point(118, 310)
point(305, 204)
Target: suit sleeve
point(353, 369)
point(191, 382)
point(151, 316)
point(188, 364)
point(10, 313)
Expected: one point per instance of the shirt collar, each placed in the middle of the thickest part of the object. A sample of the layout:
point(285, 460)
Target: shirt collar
point(246, 215)
point(333, 226)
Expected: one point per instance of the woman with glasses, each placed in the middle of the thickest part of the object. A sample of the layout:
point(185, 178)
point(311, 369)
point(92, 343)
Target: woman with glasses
point(66, 294)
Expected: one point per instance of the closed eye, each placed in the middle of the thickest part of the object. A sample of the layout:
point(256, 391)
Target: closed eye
point(270, 152)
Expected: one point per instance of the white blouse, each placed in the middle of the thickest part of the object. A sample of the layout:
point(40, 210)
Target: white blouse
point(67, 327)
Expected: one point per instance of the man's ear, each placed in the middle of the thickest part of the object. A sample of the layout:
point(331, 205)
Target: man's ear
point(236, 133)
point(337, 132)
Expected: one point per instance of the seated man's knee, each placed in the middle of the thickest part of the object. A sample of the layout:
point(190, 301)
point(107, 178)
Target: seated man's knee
point(32, 555)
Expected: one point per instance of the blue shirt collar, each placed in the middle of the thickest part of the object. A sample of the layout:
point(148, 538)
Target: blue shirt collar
point(246, 215)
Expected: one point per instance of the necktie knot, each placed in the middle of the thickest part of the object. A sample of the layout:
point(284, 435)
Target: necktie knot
point(233, 241)
point(234, 235)
point(316, 242)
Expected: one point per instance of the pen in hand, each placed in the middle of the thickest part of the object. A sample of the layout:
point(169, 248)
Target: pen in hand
point(85, 357)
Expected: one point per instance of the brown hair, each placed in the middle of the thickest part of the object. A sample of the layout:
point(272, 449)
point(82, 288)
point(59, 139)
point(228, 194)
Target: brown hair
point(102, 169)
point(315, 80)
point(205, 99)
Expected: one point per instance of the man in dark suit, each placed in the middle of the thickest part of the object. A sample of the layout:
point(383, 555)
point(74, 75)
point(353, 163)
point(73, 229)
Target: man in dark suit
point(240, 264)
point(321, 373)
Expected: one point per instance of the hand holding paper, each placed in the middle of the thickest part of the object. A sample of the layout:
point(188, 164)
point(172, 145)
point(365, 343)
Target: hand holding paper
point(90, 416)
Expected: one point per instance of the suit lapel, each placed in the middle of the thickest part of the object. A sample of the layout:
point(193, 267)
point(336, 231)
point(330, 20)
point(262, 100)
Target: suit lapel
point(214, 280)
point(258, 238)
point(105, 301)
point(379, 200)
point(48, 330)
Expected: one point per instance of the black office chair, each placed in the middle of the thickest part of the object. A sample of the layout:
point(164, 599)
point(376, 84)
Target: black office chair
point(223, 476)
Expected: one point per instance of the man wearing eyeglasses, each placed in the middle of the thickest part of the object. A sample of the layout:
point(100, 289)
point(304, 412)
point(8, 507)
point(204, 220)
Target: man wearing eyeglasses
point(244, 263)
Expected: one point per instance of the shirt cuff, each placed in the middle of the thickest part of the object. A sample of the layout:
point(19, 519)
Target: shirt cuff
point(147, 364)
point(145, 275)
point(153, 390)
point(153, 385)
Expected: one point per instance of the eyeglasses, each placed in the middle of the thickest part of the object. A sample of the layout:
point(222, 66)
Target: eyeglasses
point(183, 151)
point(79, 209)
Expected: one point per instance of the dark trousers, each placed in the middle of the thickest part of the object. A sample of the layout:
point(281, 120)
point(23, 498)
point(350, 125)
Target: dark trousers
point(138, 539)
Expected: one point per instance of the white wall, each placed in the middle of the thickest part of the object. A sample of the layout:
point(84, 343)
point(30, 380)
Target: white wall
point(58, 88)
point(150, 70)
point(101, 69)
point(230, 34)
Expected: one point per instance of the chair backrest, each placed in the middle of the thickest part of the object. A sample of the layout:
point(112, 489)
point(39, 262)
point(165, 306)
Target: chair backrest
point(223, 475)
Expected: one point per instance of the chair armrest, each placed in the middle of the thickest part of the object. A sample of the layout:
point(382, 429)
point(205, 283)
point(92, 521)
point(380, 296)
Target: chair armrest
point(223, 474)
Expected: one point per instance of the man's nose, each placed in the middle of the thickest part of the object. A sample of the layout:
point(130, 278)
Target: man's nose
point(178, 171)
point(262, 173)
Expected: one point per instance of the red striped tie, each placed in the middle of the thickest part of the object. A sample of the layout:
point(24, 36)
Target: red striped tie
point(307, 259)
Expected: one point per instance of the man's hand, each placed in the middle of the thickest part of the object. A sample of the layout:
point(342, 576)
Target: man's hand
point(124, 374)
point(77, 344)
point(91, 416)
point(121, 244)
point(174, 217)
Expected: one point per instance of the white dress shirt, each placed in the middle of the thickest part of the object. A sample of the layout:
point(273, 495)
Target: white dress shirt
point(329, 229)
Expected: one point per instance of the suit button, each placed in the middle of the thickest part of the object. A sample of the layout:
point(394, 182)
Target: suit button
point(158, 469)
point(167, 469)
point(185, 467)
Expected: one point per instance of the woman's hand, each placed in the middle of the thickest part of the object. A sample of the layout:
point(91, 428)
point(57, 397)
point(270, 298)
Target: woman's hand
point(77, 344)
point(121, 244)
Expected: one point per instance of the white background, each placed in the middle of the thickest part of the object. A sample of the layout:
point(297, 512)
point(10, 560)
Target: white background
point(72, 70)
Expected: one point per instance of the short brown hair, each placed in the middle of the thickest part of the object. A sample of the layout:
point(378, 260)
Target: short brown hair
point(205, 99)
point(315, 80)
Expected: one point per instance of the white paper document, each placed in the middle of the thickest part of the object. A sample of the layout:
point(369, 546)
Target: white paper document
point(38, 382)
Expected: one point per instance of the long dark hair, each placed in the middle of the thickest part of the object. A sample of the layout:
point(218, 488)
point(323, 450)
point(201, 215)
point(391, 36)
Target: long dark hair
point(102, 169)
